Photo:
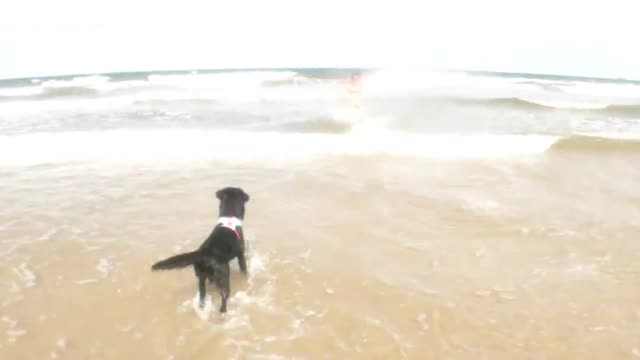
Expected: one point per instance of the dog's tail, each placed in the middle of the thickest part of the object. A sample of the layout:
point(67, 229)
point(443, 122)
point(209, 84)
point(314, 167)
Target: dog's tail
point(178, 261)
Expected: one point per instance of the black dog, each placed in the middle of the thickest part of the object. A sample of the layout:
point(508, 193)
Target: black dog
point(226, 241)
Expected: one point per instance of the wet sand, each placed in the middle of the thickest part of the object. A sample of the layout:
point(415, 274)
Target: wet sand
point(350, 257)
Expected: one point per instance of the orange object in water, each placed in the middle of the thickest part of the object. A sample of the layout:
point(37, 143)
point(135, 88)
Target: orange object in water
point(354, 89)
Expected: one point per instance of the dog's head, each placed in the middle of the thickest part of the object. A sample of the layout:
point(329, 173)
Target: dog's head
point(232, 201)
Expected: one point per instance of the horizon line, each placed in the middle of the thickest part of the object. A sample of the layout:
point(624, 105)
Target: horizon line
point(308, 68)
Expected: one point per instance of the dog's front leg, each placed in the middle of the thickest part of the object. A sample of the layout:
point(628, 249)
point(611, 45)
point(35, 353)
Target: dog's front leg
point(242, 263)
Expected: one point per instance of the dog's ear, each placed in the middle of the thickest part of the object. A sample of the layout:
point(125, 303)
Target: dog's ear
point(245, 196)
point(221, 194)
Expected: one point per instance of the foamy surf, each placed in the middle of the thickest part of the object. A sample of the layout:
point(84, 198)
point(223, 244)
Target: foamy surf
point(185, 146)
point(26, 275)
point(204, 312)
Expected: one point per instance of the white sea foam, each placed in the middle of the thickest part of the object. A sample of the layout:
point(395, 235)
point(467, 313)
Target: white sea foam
point(16, 333)
point(85, 281)
point(20, 91)
point(104, 266)
point(25, 274)
point(225, 80)
point(186, 146)
point(202, 312)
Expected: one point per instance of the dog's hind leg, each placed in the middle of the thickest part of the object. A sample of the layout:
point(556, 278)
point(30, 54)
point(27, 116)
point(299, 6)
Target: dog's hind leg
point(202, 286)
point(222, 282)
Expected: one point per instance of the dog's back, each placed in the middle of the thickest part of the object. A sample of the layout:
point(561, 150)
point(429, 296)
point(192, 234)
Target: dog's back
point(222, 244)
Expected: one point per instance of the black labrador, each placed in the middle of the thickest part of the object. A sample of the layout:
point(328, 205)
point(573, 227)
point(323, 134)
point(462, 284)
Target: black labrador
point(226, 242)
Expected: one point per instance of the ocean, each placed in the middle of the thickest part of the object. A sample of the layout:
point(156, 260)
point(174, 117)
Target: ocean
point(411, 215)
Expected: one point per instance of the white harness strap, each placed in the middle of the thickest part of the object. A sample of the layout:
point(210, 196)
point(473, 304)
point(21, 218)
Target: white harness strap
point(230, 223)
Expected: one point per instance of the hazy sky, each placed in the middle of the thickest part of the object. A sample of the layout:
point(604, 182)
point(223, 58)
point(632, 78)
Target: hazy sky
point(597, 38)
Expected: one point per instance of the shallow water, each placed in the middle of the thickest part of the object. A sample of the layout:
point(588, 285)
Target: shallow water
point(375, 258)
